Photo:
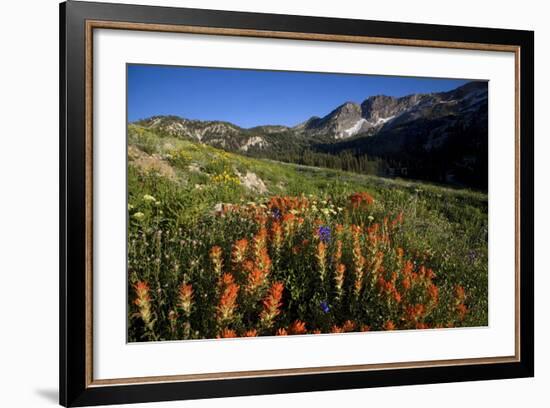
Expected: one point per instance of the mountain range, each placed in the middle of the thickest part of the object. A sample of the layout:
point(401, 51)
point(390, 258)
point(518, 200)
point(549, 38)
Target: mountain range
point(441, 137)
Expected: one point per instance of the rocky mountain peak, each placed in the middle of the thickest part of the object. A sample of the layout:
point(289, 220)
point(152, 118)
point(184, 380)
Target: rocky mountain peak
point(375, 114)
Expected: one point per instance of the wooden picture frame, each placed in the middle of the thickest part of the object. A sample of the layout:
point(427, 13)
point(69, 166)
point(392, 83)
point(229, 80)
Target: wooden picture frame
point(78, 20)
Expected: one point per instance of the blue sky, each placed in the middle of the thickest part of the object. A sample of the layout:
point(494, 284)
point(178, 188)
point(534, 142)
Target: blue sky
point(250, 97)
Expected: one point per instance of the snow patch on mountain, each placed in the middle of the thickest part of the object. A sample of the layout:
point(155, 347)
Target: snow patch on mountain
point(380, 121)
point(355, 128)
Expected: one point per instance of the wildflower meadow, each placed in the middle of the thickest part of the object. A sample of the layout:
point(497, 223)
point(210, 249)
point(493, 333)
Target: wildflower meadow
point(309, 251)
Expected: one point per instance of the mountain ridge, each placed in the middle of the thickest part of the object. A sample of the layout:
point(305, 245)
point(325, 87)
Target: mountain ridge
point(437, 127)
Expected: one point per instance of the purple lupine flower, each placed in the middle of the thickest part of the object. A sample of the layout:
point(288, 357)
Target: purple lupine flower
point(276, 213)
point(325, 307)
point(324, 234)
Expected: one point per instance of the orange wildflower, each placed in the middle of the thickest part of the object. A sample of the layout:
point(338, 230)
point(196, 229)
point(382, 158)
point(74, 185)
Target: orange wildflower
point(277, 236)
point(256, 279)
point(406, 283)
point(186, 298)
point(142, 292)
point(462, 310)
point(339, 278)
point(143, 302)
point(298, 327)
point(228, 300)
point(250, 333)
point(348, 326)
point(337, 256)
point(433, 292)
point(407, 268)
point(358, 259)
point(365, 328)
point(238, 253)
point(430, 273)
point(227, 334)
point(377, 263)
point(260, 241)
point(460, 293)
point(415, 312)
point(389, 325)
point(285, 204)
point(399, 251)
point(264, 262)
point(226, 279)
point(271, 304)
point(216, 259)
point(281, 332)
point(336, 329)
point(261, 219)
point(288, 224)
point(248, 265)
point(321, 257)
point(396, 295)
point(360, 199)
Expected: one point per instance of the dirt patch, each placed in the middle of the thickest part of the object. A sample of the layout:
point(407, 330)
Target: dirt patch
point(150, 162)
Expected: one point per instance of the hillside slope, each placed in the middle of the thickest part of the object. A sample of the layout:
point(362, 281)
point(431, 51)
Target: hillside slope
point(189, 202)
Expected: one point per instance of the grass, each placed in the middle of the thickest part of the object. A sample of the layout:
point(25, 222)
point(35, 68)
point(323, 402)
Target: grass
point(307, 250)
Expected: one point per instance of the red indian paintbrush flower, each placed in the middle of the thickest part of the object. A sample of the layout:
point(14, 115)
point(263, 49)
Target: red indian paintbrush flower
point(415, 312)
point(298, 327)
point(406, 283)
point(228, 299)
point(462, 310)
point(256, 279)
point(238, 253)
point(216, 259)
point(281, 332)
point(377, 263)
point(399, 252)
point(407, 269)
point(360, 199)
point(227, 334)
point(289, 224)
point(460, 293)
point(348, 326)
point(250, 333)
point(339, 277)
point(185, 298)
point(271, 304)
point(337, 255)
point(263, 261)
point(259, 243)
point(143, 302)
point(276, 236)
point(321, 256)
point(358, 259)
point(433, 293)
point(389, 325)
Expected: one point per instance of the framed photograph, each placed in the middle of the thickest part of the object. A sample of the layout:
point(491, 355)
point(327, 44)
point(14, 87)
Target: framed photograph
point(256, 203)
